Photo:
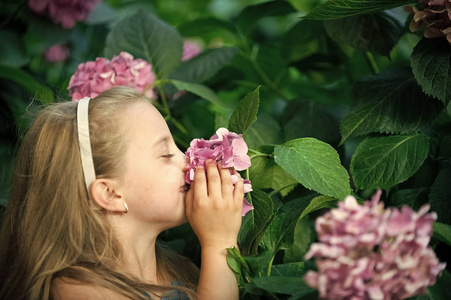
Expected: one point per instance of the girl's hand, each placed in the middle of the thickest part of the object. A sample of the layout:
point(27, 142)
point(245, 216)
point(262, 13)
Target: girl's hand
point(213, 207)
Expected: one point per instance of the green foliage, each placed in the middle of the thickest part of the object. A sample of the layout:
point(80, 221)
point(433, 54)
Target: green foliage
point(138, 35)
point(382, 162)
point(245, 113)
point(315, 164)
point(432, 67)
point(443, 232)
point(334, 9)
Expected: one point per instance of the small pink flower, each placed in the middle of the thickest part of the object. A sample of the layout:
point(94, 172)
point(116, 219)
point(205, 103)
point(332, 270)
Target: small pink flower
point(226, 146)
point(64, 12)
point(190, 50)
point(368, 252)
point(56, 53)
point(94, 77)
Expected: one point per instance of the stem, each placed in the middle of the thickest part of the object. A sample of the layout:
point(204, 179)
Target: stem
point(371, 62)
point(268, 273)
point(163, 99)
point(178, 125)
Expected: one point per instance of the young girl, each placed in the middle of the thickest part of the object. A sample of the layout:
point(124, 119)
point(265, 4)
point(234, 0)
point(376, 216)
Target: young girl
point(96, 182)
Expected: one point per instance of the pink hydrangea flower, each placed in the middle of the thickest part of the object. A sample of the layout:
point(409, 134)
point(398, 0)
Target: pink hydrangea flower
point(435, 16)
point(226, 146)
point(56, 53)
point(190, 50)
point(94, 77)
point(64, 12)
point(368, 252)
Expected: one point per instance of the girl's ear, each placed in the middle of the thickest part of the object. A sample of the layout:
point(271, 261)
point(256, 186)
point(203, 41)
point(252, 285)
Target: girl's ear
point(105, 195)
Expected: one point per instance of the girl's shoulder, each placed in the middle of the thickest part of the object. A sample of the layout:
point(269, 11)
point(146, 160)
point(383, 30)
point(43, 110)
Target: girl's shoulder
point(64, 288)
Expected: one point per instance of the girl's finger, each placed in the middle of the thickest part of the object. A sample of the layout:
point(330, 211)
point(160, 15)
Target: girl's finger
point(238, 192)
point(226, 182)
point(213, 179)
point(189, 201)
point(200, 183)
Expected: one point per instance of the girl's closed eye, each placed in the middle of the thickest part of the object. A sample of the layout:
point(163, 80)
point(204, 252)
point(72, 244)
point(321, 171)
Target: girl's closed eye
point(169, 155)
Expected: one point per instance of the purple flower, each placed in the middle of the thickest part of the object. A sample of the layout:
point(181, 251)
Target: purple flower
point(56, 53)
point(226, 146)
point(64, 12)
point(93, 77)
point(368, 252)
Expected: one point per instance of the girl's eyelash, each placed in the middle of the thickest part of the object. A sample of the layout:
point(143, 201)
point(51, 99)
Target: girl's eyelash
point(169, 155)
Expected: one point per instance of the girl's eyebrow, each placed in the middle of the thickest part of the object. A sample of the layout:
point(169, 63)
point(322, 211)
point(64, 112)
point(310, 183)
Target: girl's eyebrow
point(161, 140)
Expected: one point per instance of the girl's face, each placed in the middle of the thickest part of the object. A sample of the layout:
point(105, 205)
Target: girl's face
point(154, 172)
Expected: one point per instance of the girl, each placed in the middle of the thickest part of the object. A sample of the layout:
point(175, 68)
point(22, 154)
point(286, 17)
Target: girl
point(83, 223)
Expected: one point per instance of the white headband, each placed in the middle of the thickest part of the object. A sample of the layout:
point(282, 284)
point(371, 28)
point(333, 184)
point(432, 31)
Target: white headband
point(85, 142)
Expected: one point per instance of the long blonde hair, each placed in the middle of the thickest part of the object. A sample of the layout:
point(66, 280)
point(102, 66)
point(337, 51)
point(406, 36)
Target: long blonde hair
point(49, 228)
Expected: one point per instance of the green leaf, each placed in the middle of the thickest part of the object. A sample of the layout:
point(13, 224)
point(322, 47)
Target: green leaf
point(264, 131)
point(200, 90)
point(283, 285)
point(42, 34)
point(210, 29)
point(266, 174)
point(414, 198)
point(309, 119)
point(306, 38)
point(334, 9)
point(238, 265)
point(389, 102)
point(146, 36)
point(204, 66)
point(255, 222)
point(280, 233)
point(440, 195)
point(376, 33)
point(318, 203)
point(442, 232)
point(296, 269)
point(316, 165)
point(251, 14)
point(245, 113)
point(12, 51)
point(303, 237)
point(431, 65)
point(36, 90)
point(382, 162)
point(440, 290)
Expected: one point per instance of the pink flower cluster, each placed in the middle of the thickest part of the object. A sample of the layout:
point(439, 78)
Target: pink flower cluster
point(94, 77)
point(56, 53)
point(190, 50)
point(436, 15)
point(226, 146)
point(366, 252)
point(64, 12)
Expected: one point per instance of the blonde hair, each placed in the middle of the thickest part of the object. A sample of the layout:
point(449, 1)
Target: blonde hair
point(49, 228)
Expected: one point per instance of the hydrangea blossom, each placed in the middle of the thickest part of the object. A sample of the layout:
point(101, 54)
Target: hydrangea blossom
point(63, 12)
point(94, 77)
point(190, 50)
point(436, 16)
point(368, 252)
point(56, 53)
point(227, 146)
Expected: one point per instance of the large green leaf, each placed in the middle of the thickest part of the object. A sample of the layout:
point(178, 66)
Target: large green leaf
point(443, 232)
point(431, 65)
point(316, 165)
point(309, 119)
point(204, 66)
point(264, 131)
point(389, 102)
point(440, 195)
point(251, 14)
point(245, 113)
point(284, 285)
point(210, 29)
point(414, 198)
point(306, 38)
point(334, 9)
point(146, 36)
point(255, 222)
point(266, 174)
point(280, 233)
point(35, 89)
point(382, 162)
point(303, 237)
point(200, 90)
point(319, 203)
point(376, 33)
